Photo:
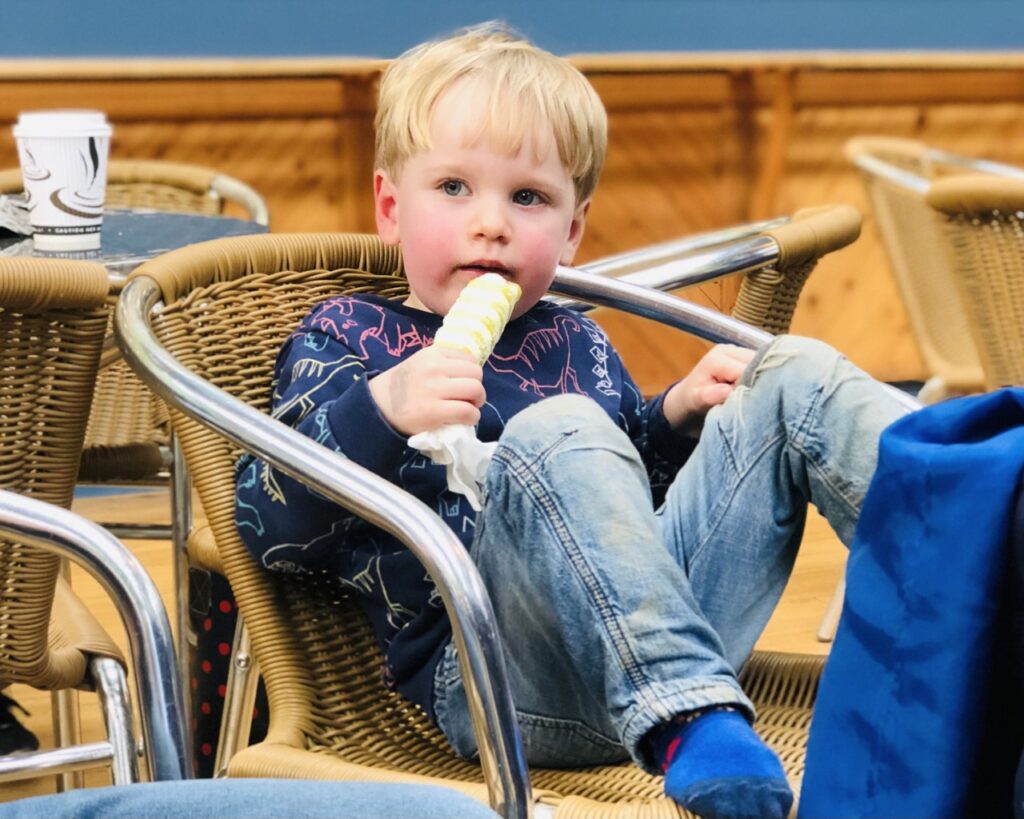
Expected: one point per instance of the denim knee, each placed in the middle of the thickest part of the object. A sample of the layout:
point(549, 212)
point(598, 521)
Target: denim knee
point(800, 359)
point(542, 424)
point(554, 449)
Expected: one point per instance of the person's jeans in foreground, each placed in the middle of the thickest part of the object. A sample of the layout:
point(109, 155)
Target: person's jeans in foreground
point(252, 799)
point(616, 617)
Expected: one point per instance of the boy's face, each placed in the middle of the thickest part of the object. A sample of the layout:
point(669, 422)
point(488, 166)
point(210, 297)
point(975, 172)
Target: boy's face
point(461, 210)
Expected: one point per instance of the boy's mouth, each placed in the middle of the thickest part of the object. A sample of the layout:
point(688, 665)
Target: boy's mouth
point(487, 266)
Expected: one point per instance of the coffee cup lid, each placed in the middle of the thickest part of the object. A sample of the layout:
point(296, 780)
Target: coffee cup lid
point(58, 123)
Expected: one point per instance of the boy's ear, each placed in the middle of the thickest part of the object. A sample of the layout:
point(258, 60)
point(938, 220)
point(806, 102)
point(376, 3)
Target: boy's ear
point(572, 243)
point(385, 207)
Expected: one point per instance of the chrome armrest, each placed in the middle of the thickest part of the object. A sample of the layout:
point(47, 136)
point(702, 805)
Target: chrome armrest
point(897, 176)
point(651, 257)
point(168, 748)
point(939, 157)
point(361, 491)
point(227, 187)
point(694, 265)
point(687, 261)
point(653, 304)
point(673, 311)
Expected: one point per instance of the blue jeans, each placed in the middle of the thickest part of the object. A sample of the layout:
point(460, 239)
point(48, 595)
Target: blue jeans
point(615, 616)
point(252, 799)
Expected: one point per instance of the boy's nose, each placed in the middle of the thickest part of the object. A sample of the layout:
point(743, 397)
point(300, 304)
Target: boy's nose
point(490, 221)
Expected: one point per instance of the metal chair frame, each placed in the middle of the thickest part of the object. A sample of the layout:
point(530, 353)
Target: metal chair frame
point(54, 318)
point(930, 164)
point(219, 188)
point(165, 745)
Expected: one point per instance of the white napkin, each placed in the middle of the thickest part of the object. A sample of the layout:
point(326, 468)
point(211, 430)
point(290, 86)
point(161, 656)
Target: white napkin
point(456, 447)
point(14, 214)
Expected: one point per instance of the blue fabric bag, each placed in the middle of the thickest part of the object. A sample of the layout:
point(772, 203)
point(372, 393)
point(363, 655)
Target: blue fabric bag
point(904, 697)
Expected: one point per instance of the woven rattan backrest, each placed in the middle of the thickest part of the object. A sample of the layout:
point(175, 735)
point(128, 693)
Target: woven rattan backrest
point(230, 304)
point(53, 317)
point(767, 297)
point(168, 186)
point(157, 184)
point(983, 220)
point(921, 264)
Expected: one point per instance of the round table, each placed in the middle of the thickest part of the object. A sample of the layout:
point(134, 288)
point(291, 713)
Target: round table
point(131, 237)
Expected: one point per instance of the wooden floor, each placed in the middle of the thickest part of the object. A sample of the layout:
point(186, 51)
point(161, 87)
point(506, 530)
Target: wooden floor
point(793, 627)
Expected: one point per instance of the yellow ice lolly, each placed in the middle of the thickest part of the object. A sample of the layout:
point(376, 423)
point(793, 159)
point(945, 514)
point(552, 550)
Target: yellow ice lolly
point(479, 315)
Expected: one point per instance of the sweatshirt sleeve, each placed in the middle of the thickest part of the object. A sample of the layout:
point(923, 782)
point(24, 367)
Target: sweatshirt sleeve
point(322, 391)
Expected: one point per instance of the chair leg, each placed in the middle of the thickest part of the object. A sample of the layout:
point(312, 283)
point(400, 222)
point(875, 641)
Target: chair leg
point(239, 700)
point(830, 620)
point(67, 723)
point(933, 391)
point(67, 731)
point(181, 525)
point(111, 683)
point(139, 531)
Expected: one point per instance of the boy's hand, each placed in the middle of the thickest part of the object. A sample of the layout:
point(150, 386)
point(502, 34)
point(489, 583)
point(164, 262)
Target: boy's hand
point(708, 385)
point(431, 388)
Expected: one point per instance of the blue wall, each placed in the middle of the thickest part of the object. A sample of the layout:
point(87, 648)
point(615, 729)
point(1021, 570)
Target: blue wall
point(383, 28)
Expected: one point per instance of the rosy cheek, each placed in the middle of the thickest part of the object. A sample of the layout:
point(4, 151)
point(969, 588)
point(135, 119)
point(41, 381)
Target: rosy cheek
point(433, 236)
point(541, 254)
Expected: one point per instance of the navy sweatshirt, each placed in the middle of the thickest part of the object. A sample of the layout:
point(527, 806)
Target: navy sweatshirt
point(321, 390)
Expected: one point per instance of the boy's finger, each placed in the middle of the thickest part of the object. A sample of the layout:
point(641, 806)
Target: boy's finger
point(460, 412)
point(462, 368)
point(715, 394)
point(728, 370)
point(452, 352)
point(465, 389)
point(744, 354)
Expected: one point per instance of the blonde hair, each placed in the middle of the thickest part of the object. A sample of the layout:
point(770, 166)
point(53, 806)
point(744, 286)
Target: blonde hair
point(528, 90)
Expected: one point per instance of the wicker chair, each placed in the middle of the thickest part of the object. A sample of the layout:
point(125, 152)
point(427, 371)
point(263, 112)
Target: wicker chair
point(982, 219)
point(920, 265)
point(53, 318)
point(226, 308)
point(898, 174)
point(127, 440)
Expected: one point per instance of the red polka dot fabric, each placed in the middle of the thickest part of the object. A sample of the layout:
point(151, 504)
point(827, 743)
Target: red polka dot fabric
point(213, 616)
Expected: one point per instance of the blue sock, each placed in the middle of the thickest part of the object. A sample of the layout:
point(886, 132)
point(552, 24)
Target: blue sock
point(717, 767)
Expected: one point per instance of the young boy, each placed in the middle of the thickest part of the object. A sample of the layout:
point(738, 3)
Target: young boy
point(633, 550)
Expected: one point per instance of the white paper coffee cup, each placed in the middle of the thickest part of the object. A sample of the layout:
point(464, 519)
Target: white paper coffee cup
point(63, 156)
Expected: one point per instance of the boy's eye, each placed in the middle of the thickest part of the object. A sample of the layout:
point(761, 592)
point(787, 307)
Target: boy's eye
point(527, 197)
point(453, 187)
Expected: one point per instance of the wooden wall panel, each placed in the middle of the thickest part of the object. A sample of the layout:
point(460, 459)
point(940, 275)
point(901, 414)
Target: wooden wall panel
point(669, 173)
point(696, 142)
point(851, 300)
